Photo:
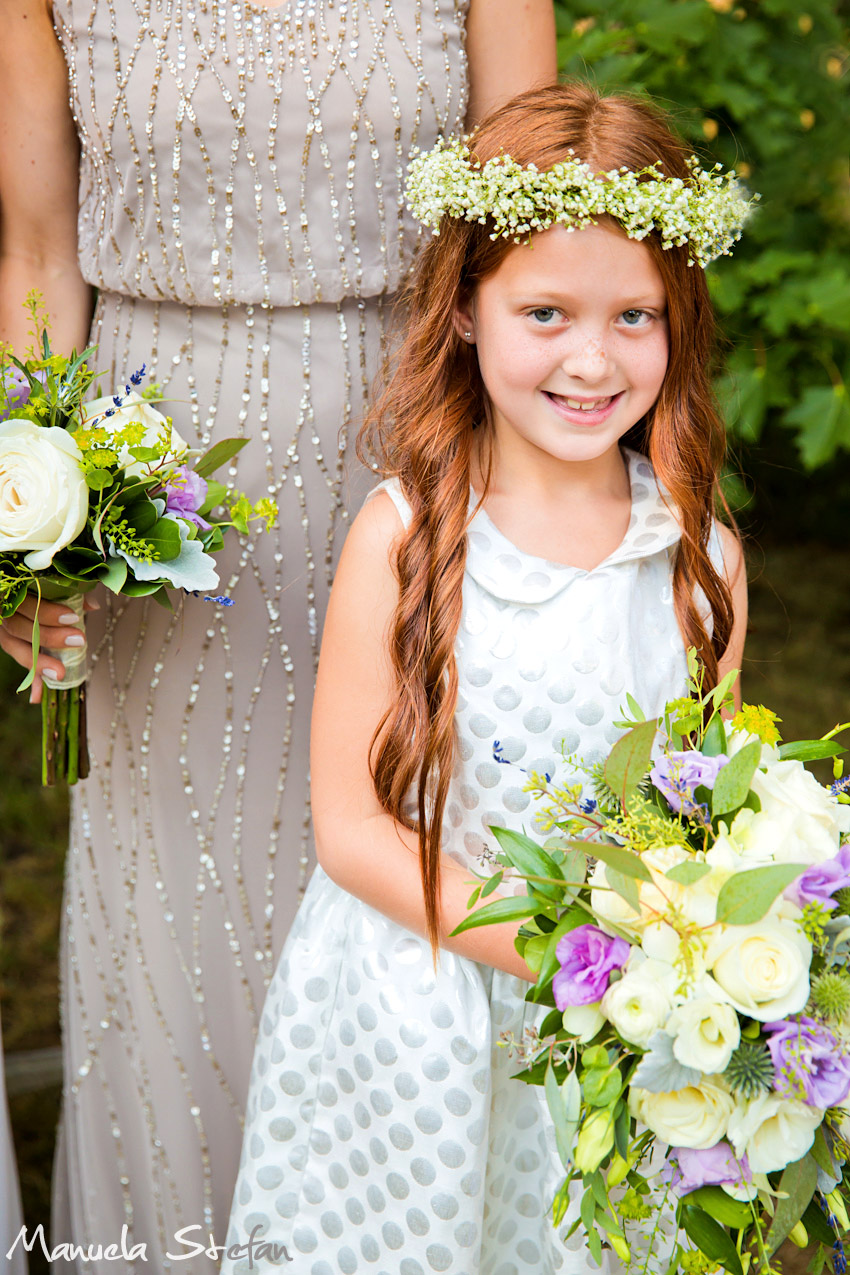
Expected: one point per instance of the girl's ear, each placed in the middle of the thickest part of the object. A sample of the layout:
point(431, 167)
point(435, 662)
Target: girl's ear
point(464, 322)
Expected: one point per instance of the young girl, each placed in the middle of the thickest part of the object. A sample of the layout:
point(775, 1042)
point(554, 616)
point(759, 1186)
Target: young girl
point(520, 569)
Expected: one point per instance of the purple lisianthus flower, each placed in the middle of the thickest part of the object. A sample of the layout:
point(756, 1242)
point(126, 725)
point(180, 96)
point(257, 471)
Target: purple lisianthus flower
point(15, 393)
point(185, 492)
point(587, 955)
point(713, 1166)
point(808, 1062)
point(821, 881)
point(678, 775)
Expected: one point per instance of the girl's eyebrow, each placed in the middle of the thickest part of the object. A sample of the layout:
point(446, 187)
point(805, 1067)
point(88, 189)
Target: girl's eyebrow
point(536, 296)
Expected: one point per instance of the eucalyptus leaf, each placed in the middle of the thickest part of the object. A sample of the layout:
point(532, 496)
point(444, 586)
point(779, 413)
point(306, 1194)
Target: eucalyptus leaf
point(164, 536)
point(688, 872)
point(602, 1086)
point(219, 454)
point(564, 1102)
point(98, 479)
point(748, 896)
point(796, 1188)
point(629, 760)
point(626, 887)
point(732, 785)
point(620, 860)
point(114, 574)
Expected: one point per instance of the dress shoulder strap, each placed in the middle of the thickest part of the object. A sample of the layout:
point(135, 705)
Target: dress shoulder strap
point(392, 487)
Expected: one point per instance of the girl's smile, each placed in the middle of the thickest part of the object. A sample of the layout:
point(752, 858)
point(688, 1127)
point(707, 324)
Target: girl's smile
point(571, 335)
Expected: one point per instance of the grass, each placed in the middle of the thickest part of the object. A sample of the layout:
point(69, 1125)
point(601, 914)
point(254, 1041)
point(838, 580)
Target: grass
point(798, 663)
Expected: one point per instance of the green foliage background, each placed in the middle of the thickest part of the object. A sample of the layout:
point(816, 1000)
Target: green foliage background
point(764, 86)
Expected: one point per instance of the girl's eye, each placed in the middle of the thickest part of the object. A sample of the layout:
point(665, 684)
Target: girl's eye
point(544, 314)
point(635, 318)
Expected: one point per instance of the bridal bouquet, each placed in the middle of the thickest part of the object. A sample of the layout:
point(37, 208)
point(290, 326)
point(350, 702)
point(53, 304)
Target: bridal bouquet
point(104, 492)
point(689, 923)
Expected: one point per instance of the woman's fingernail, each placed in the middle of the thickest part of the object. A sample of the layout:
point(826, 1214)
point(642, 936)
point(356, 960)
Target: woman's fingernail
point(93, 604)
point(69, 618)
point(75, 639)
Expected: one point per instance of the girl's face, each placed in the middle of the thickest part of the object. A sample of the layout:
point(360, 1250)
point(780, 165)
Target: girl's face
point(571, 335)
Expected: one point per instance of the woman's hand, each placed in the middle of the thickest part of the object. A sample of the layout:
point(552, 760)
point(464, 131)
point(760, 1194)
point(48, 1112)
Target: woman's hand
point(57, 630)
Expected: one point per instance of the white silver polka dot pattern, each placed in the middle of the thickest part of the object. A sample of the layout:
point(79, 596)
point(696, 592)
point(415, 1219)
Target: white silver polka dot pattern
point(379, 1088)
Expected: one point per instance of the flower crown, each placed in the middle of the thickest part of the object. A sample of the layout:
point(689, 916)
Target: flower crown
point(707, 210)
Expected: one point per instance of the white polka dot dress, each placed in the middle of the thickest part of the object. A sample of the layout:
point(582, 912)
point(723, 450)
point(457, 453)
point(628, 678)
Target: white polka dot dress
point(384, 1133)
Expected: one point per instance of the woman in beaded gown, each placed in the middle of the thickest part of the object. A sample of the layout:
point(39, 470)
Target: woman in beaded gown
point(240, 212)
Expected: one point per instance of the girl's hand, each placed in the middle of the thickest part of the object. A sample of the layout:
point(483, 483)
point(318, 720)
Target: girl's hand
point(57, 630)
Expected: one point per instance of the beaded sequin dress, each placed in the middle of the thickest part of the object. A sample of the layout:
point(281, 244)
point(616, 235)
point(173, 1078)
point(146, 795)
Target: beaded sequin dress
point(242, 216)
point(384, 1131)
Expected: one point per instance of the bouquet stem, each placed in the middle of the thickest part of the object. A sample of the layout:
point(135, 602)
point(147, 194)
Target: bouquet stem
point(64, 750)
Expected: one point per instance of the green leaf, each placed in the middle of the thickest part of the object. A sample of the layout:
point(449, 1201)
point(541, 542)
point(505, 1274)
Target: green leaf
point(113, 574)
point(626, 887)
point(601, 1087)
point(145, 454)
point(215, 495)
point(810, 750)
point(165, 538)
point(98, 479)
point(688, 872)
point(623, 861)
point(798, 1183)
point(564, 1102)
point(532, 950)
point(634, 708)
point(492, 884)
point(714, 741)
point(528, 858)
point(218, 455)
point(142, 588)
point(746, 897)
point(714, 1201)
point(732, 785)
point(513, 909)
point(629, 760)
point(710, 1238)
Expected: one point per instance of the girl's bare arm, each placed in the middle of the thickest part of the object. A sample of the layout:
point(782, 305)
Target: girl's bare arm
point(360, 846)
point(39, 160)
point(510, 45)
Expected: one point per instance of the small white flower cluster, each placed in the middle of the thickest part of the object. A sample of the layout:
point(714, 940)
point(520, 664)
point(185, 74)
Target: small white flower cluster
point(707, 211)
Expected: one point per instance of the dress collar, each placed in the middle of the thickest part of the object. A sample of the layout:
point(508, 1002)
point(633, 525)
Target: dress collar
point(508, 573)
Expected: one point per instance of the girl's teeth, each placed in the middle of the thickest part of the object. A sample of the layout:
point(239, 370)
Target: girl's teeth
point(577, 404)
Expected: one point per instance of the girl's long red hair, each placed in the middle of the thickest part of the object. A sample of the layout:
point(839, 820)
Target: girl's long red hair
point(420, 430)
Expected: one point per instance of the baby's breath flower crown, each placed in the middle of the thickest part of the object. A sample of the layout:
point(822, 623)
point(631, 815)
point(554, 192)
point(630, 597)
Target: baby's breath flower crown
point(706, 211)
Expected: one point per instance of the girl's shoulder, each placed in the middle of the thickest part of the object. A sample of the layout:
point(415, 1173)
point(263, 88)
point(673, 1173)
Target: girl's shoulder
point(391, 488)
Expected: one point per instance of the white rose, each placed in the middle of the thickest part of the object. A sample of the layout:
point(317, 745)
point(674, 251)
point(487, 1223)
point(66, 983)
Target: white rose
point(799, 822)
point(763, 968)
point(134, 410)
point(738, 739)
point(773, 1132)
point(696, 902)
point(640, 1002)
point(706, 1034)
point(44, 499)
point(609, 906)
point(696, 1116)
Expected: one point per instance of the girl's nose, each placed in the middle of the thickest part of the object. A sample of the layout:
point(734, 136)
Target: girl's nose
point(587, 358)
